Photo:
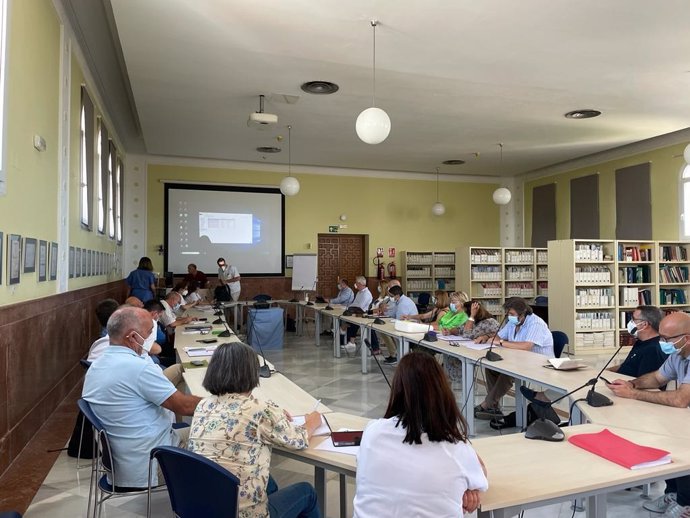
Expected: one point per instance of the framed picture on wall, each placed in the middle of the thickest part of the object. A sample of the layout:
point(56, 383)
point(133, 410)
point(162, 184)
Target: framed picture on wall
point(42, 260)
point(83, 262)
point(77, 262)
point(29, 255)
point(53, 260)
point(72, 255)
point(288, 261)
point(14, 258)
point(89, 253)
point(2, 242)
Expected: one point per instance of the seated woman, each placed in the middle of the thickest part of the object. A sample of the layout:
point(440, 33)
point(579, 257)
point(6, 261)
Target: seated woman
point(417, 461)
point(455, 318)
point(193, 296)
point(480, 325)
point(237, 430)
point(440, 308)
point(381, 301)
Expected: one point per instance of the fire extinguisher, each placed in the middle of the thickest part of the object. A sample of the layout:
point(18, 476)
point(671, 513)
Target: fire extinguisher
point(391, 270)
point(380, 269)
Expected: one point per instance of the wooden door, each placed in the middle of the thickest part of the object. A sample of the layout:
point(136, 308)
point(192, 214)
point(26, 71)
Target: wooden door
point(340, 255)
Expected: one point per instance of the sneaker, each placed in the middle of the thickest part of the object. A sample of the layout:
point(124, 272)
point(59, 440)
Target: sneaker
point(660, 504)
point(391, 360)
point(487, 413)
point(677, 511)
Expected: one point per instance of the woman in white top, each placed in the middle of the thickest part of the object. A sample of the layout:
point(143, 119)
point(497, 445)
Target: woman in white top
point(417, 461)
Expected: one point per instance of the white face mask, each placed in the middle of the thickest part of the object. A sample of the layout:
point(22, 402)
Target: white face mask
point(149, 340)
point(184, 293)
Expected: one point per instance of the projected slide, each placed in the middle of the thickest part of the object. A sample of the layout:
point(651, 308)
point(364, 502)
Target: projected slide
point(226, 228)
point(241, 224)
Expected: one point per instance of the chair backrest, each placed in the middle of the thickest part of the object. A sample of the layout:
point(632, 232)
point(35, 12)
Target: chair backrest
point(197, 486)
point(560, 340)
point(100, 435)
point(10, 514)
point(262, 297)
point(85, 363)
point(424, 299)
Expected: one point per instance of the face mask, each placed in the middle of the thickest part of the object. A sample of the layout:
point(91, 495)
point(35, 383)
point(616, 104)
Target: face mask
point(184, 293)
point(453, 307)
point(513, 319)
point(177, 307)
point(148, 343)
point(339, 287)
point(670, 347)
point(379, 289)
point(632, 327)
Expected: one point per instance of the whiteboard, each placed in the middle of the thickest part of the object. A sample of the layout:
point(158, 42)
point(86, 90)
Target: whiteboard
point(304, 272)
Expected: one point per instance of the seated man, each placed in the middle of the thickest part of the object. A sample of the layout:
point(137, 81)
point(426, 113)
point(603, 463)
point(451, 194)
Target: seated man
point(132, 398)
point(104, 309)
point(345, 295)
point(195, 275)
point(675, 334)
point(646, 354)
point(524, 331)
point(134, 301)
point(403, 305)
point(362, 301)
point(169, 318)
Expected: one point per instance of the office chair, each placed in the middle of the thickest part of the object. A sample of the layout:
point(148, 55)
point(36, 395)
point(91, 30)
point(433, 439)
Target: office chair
point(197, 486)
point(560, 340)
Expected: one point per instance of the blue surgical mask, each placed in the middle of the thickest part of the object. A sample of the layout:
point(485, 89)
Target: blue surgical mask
point(453, 307)
point(667, 347)
point(177, 307)
point(513, 319)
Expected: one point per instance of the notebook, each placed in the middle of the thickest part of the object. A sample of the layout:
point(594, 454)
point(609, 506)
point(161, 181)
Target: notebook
point(615, 448)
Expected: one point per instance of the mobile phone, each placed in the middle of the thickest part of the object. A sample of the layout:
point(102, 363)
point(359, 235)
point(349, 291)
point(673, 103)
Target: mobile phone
point(197, 363)
point(346, 438)
point(204, 319)
point(208, 340)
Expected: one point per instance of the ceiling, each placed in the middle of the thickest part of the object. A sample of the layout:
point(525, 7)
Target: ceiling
point(456, 78)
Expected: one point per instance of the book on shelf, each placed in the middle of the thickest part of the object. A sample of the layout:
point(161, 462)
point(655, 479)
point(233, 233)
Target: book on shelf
point(668, 274)
point(672, 296)
point(672, 253)
point(634, 253)
point(634, 275)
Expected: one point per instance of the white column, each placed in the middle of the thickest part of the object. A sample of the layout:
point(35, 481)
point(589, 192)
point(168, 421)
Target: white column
point(63, 163)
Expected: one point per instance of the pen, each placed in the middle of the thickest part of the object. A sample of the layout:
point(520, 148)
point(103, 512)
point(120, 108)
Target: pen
point(316, 405)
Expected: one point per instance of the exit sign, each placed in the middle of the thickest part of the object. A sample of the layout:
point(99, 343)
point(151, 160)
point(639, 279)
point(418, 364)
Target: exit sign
point(333, 229)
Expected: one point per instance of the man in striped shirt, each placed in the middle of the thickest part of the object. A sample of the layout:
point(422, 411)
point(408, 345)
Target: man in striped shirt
point(524, 331)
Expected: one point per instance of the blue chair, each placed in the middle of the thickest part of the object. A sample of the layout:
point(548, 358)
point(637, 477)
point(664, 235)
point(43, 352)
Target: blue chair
point(560, 340)
point(10, 514)
point(423, 301)
point(102, 466)
point(262, 297)
point(197, 486)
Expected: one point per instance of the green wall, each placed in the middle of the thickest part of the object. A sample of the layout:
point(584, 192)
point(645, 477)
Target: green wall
point(393, 212)
point(665, 173)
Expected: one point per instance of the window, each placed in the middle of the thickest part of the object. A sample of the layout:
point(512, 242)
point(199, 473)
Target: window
point(112, 157)
point(685, 202)
point(118, 200)
point(100, 200)
point(86, 139)
point(3, 59)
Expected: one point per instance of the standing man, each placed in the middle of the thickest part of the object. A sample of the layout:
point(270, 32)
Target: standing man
point(229, 277)
point(646, 354)
point(675, 337)
point(195, 275)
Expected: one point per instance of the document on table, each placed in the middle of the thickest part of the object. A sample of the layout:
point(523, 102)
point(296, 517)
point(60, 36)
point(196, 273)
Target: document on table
point(323, 429)
point(200, 351)
point(615, 448)
point(461, 340)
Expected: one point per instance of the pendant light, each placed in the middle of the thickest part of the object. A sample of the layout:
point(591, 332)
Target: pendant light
point(438, 209)
point(501, 195)
point(373, 124)
point(289, 186)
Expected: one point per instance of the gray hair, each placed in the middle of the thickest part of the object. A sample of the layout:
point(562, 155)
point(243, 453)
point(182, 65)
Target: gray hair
point(651, 315)
point(233, 369)
point(172, 294)
point(124, 319)
point(361, 279)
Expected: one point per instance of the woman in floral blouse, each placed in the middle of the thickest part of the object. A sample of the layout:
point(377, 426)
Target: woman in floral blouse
point(235, 429)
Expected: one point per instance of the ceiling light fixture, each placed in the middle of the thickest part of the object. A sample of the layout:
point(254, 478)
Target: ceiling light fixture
point(261, 119)
point(501, 195)
point(320, 87)
point(438, 209)
point(289, 186)
point(373, 124)
point(582, 114)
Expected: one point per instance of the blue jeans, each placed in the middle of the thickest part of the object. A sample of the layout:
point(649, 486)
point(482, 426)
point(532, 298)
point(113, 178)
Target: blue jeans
point(295, 501)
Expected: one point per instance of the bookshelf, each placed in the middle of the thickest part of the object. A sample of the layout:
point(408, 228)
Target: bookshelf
point(493, 274)
point(425, 272)
point(600, 282)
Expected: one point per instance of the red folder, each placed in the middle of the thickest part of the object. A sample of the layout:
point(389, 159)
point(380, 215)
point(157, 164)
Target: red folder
point(621, 451)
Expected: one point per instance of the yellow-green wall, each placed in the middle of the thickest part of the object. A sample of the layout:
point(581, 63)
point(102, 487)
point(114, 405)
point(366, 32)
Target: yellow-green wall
point(393, 212)
point(30, 206)
point(666, 165)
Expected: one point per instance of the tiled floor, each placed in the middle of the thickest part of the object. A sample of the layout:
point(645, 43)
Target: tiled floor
point(341, 386)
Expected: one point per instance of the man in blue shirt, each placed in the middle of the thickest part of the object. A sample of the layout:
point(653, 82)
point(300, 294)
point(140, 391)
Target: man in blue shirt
point(674, 335)
point(524, 331)
point(133, 399)
point(404, 305)
point(345, 295)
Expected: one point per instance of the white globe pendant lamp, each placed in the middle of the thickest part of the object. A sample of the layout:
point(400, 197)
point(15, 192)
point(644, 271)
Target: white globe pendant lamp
point(289, 185)
point(373, 124)
point(438, 208)
point(501, 196)
point(686, 154)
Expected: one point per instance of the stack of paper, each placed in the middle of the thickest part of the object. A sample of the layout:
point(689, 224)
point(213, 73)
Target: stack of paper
point(625, 453)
